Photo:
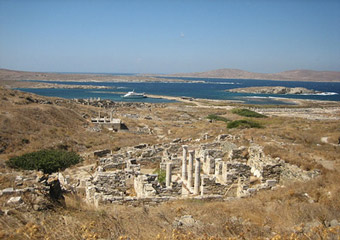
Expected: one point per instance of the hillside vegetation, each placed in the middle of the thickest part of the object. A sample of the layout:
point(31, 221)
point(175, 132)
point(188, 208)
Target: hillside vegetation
point(247, 113)
point(48, 161)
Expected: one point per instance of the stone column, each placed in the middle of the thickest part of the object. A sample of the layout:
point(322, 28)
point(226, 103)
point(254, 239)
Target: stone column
point(168, 175)
point(111, 116)
point(205, 155)
point(197, 176)
point(190, 168)
point(184, 163)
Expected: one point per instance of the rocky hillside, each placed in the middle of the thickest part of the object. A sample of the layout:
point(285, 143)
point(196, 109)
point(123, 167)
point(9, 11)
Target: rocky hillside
point(274, 90)
point(293, 75)
point(29, 122)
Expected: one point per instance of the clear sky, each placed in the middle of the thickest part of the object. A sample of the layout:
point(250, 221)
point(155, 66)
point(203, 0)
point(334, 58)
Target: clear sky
point(169, 36)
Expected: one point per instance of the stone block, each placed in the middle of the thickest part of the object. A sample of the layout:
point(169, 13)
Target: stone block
point(271, 182)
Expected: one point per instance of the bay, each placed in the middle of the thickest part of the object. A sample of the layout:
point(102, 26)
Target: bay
point(205, 88)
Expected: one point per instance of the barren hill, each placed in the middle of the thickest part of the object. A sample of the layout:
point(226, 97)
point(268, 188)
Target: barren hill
point(293, 75)
point(29, 122)
point(7, 76)
point(11, 78)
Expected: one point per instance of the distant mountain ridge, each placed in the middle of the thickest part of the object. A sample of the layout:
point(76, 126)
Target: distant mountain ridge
point(292, 75)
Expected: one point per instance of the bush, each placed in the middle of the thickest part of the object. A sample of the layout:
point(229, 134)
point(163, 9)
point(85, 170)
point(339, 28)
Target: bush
point(161, 175)
point(48, 161)
point(244, 124)
point(247, 113)
point(217, 118)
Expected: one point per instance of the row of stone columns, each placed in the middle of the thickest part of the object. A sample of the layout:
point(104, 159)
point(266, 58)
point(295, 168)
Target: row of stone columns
point(187, 170)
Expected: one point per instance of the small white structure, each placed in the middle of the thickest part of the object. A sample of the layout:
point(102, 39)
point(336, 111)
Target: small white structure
point(111, 123)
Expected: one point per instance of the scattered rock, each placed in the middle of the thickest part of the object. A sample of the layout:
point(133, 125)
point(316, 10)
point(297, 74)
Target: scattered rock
point(40, 204)
point(176, 140)
point(55, 191)
point(7, 191)
point(308, 226)
point(18, 178)
point(224, 137)
point(140, 146)
point(101, 153)
point(334, 223)
point(186, 221)
point(14, 200)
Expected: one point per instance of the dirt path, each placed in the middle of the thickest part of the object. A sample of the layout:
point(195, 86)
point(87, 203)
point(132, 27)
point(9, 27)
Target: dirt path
point(198, 103)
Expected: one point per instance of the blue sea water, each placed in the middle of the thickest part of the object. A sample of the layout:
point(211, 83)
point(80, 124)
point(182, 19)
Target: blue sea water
point(208, 88)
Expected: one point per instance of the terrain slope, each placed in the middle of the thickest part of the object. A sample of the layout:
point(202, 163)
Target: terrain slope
point(293, 75)
point(305, 135)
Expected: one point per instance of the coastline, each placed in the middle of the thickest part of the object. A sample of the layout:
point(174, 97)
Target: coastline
point(247, 101)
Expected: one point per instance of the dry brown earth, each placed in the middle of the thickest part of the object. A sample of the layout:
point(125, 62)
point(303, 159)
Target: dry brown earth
point(296, 134)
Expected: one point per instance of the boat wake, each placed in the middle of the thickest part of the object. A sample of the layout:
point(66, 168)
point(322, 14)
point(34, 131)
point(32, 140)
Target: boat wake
point(321, 94)
point(223, 83)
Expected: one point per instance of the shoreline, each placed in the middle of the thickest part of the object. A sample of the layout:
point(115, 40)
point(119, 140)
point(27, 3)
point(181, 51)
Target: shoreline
point(191, 100)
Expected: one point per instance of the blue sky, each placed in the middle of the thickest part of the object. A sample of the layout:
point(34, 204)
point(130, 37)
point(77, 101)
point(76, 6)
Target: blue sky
point(169, 36)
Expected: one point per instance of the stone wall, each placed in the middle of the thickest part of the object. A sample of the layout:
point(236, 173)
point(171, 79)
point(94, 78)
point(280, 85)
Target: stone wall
point(233, 170)
point(209, 186)
point(264, 167)
point(227, 170)
point(109, 184)
point(147, 185)
point(208, 165)
point(113, 162)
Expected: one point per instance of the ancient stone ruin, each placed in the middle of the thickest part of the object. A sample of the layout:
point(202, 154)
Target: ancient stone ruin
point(112, 124)
point(217, 170)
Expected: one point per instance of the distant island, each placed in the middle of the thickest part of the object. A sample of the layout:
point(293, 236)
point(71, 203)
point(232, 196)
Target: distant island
point(293, 75)
point(274, 90)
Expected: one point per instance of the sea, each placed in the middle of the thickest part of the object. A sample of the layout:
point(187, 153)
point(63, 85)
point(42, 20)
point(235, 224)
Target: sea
point(204, 88)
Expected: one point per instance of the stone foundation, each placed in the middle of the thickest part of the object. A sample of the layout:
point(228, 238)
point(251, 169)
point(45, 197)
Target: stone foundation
point(226, 172)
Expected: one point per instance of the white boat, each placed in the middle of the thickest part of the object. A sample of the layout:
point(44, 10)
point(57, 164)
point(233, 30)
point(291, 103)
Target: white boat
point(133, 94)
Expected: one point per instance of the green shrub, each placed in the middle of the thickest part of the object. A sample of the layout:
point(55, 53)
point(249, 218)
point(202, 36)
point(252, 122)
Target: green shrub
point(247, 113)
point(244, 124)
point(217, 118)
point(48, 161)
point(161, 175)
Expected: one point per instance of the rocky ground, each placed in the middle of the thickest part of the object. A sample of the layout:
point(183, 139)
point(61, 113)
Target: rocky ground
point(305, 135)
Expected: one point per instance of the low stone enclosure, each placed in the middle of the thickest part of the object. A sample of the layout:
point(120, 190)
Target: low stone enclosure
point(218, 170)
point(112, 124)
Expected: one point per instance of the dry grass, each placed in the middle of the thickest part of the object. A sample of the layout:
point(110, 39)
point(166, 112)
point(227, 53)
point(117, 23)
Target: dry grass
point(279, 214)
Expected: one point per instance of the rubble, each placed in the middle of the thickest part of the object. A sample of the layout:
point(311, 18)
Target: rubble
point(38, 191)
